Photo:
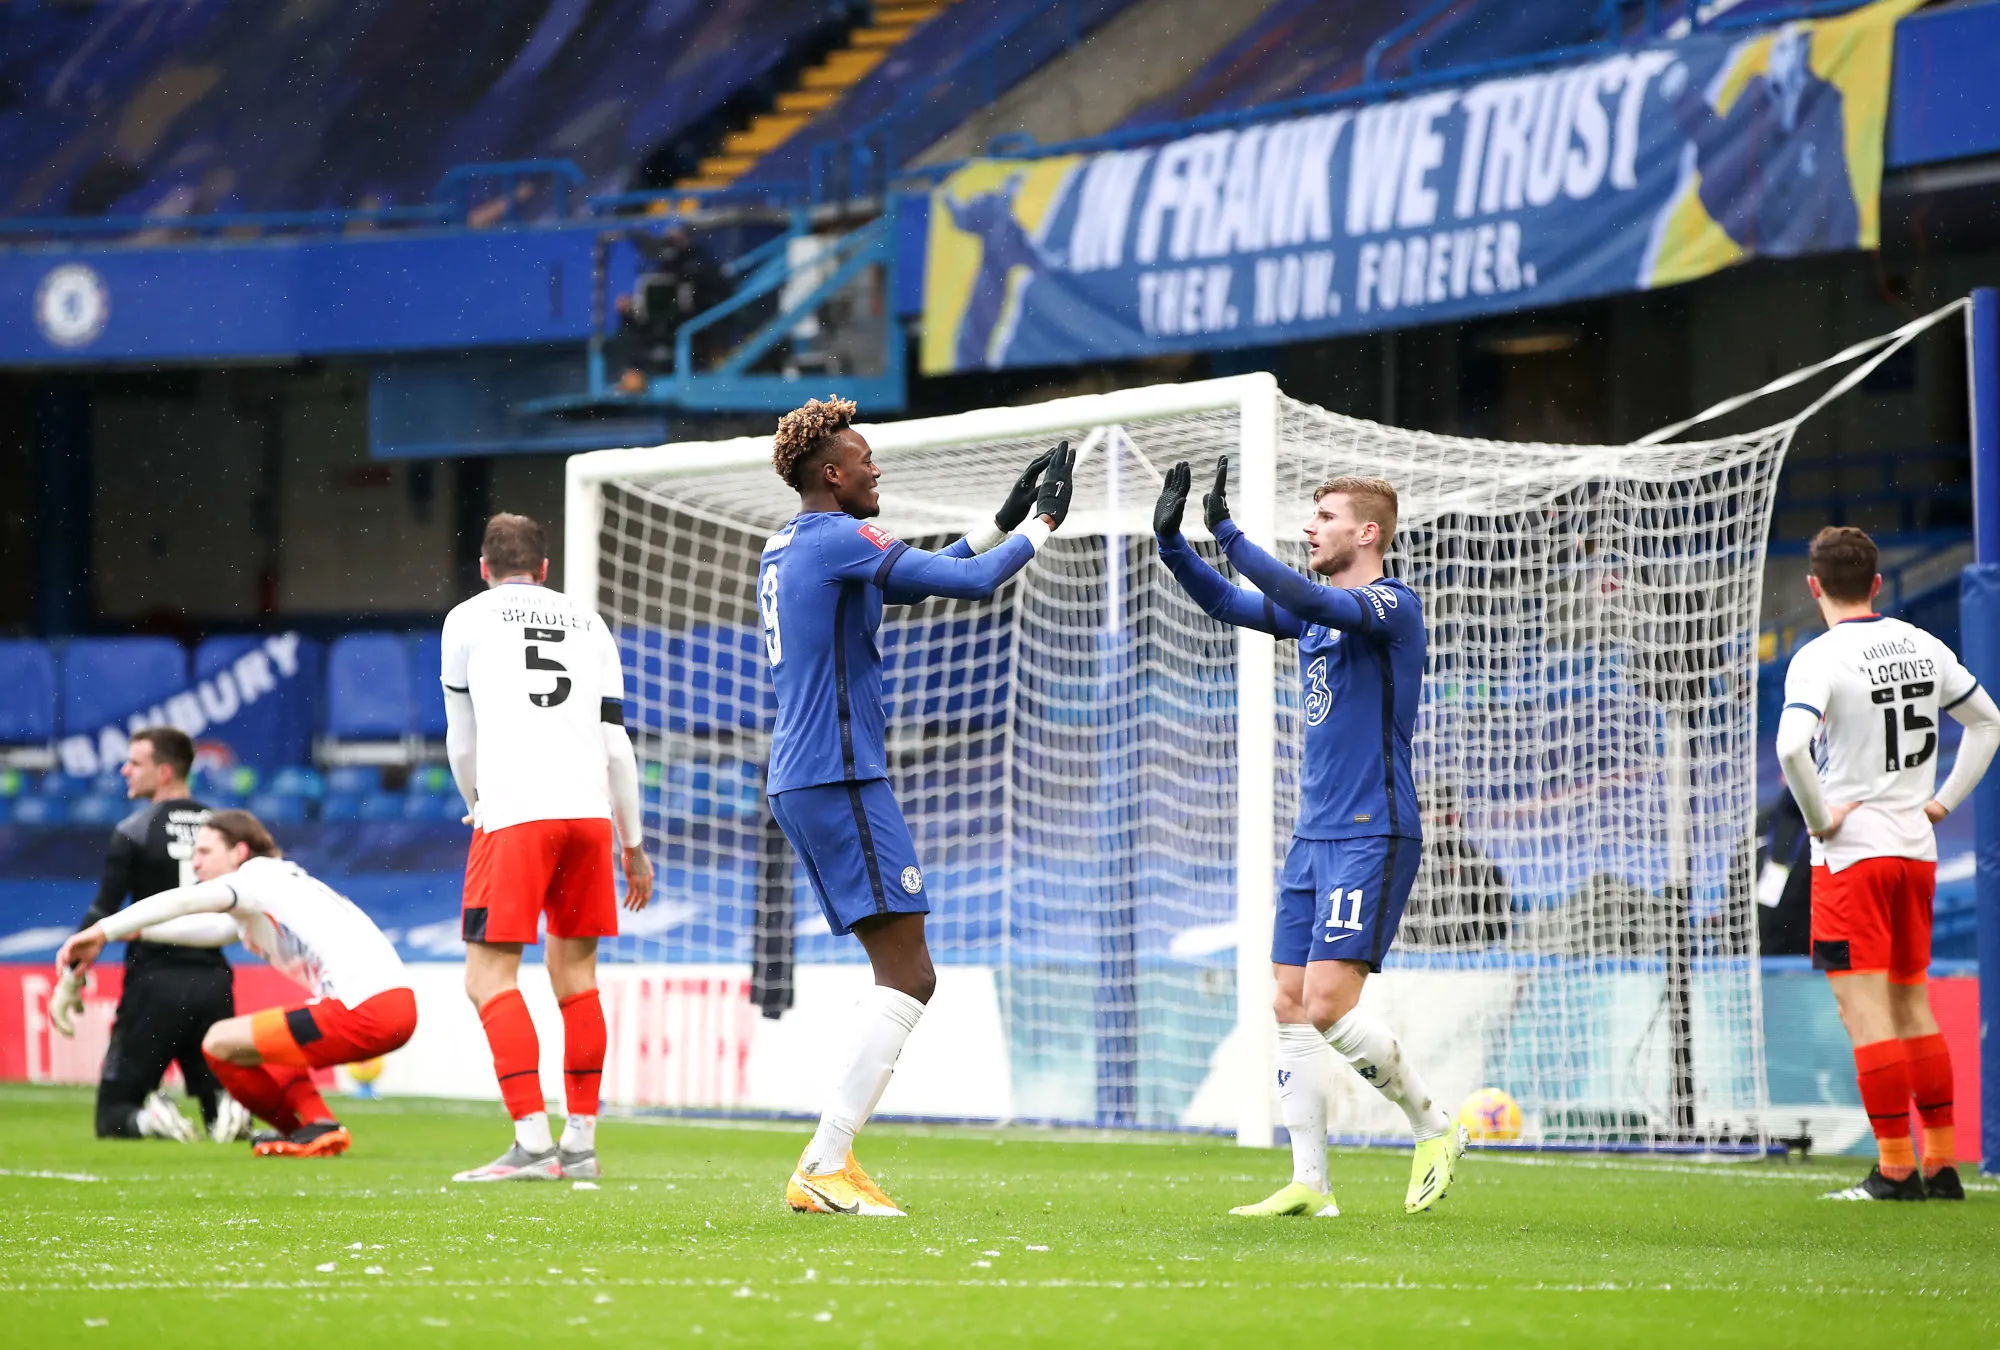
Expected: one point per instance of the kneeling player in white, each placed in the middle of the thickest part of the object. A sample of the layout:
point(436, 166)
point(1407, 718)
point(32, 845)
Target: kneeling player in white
point(362, 1005)
point(1357, 842)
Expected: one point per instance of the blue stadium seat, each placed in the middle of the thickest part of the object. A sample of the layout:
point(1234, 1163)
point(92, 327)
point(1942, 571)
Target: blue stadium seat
point(40, 809)
point(369, 688)
point(112, 680)
point(278, 808)
point(28, 674)
point(274, 727)
point(297, 781)
point(426, 651)
point(98, 809)
point(354, 779)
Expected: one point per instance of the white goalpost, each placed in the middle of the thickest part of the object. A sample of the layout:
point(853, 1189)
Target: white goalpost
point(1101, 780)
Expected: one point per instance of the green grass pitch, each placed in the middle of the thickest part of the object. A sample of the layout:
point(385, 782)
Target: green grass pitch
point(1016, 1237)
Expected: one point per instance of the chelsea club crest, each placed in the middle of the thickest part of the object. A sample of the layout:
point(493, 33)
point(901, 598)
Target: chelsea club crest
point(913, 880)
point(71, 305)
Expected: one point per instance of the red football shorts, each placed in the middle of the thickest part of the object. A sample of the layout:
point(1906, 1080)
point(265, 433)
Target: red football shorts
point(320, 1035)
point(561, 868)
point(1875, 915)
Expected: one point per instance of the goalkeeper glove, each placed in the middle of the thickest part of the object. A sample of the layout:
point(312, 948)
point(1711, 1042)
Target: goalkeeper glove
point(1173, 501)
point(1052, 500)
point(1022, 495)
point(1214, 505)
point(67, 1000)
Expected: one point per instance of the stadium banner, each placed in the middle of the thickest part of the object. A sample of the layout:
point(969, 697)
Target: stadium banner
point(1637, 171)
point(202, 709)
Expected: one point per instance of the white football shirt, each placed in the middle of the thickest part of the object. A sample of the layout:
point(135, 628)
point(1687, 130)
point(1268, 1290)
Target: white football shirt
point(1878, 686)
point(311, 932)
point(540, 668)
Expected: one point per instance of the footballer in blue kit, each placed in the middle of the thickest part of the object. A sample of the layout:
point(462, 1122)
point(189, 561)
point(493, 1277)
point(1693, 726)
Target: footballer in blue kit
point(821, 585)
point(1358, 840)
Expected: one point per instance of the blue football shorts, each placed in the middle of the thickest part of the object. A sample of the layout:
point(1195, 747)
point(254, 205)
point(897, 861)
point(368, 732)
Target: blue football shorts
point(856, 849)
point(1343, 898)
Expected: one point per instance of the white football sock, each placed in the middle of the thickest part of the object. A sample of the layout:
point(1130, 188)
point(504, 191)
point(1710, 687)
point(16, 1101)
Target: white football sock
point(579, 1134)
point(886, 1018)
point(1302, 1100)
point(1377, 1056)
point(531, 1132)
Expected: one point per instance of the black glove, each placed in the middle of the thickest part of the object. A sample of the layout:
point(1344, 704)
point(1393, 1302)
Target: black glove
point(1214, 505)
point(1173, 501)
point(1053, 498)
point(1022, 495)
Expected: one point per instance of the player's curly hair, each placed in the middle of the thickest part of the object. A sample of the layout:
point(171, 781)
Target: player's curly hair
point(804, 432)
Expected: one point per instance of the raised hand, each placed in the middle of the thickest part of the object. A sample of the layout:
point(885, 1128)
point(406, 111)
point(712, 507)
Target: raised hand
point(1173, 501)
point(1022, 495)
point(1052, 499)
point(1214, 504)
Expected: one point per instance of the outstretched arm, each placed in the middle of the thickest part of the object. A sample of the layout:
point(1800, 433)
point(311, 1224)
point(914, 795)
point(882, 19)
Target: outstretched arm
point(194, 930)
point(908, 575)
point(1238, 605)
point(207, 897)
point(1327, 606)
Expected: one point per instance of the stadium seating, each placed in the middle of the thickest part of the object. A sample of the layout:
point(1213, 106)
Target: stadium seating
point(28, 713)
point(324, 106)
point(926, 76)
point(369, 691)
point(275, 728)
point(108, 681)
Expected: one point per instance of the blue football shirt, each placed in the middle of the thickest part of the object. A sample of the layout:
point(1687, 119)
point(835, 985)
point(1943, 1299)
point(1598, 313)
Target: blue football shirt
point(821, 584)
point(1361, 691)
point(1361, 662)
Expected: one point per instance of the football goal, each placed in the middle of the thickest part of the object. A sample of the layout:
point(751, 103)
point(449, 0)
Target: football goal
point(1101, 780)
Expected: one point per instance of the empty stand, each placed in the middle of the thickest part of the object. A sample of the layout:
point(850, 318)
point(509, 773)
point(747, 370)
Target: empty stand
point(272, 716)
point(370, 700)
point(28, 712)
point(254, 107)
point(110, 681)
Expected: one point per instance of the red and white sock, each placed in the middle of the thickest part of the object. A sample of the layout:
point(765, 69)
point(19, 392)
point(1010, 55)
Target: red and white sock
point(517, 1061)
point(583, 1068)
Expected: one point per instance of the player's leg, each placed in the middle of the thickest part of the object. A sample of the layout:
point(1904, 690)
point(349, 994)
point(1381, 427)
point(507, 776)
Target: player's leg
point(264, 1061)
point(210, 997)
point(1851, 943)
point(1365, 884)
point(507, 876)
point(573, 973)
point(1302, 1058)
point(582, 907)
point(1924, 1048)
point(862, 863)
point(129, 1103)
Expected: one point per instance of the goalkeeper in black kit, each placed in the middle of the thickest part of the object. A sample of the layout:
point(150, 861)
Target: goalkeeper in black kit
point(172, 994)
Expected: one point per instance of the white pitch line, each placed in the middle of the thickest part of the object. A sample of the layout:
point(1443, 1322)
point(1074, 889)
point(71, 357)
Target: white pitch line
point(753, 1286)
point(48, 1176)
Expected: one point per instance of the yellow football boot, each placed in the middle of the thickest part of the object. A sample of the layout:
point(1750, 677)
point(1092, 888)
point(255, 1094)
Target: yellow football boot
point(1295, 1199)
point(1433, 1167)
point(847, 1190)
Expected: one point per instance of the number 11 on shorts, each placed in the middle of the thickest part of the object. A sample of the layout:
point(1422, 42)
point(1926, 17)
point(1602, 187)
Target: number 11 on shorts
point(1353, 919)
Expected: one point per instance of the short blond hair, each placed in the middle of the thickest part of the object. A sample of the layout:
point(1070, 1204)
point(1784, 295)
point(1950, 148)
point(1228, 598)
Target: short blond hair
point(804, 432)
point(1373, 499)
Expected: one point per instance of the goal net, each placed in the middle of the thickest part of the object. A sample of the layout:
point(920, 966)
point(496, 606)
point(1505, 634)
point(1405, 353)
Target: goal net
point(1101, 780)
